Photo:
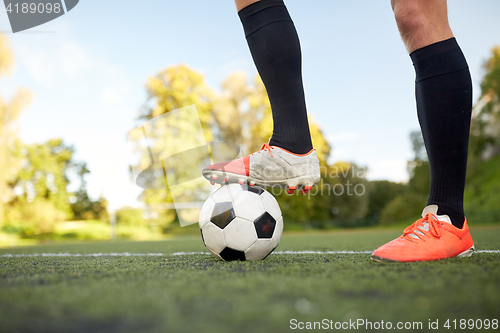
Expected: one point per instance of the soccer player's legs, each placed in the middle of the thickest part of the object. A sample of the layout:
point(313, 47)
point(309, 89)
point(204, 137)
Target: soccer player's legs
point(444, 104)
point(288, 160)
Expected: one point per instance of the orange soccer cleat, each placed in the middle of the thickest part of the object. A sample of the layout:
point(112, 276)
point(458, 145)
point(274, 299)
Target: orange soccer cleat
point(432, 237)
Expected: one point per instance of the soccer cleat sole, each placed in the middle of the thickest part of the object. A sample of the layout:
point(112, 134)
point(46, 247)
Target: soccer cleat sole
point(380, 259)
point(304, 183)
point(466, 253)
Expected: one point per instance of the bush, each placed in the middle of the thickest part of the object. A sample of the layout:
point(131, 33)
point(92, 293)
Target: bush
point(33, 218)
point(407, 206)
point(129, 217)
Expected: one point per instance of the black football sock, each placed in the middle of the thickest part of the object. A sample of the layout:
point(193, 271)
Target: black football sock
point(444, 105)
point(275, 48)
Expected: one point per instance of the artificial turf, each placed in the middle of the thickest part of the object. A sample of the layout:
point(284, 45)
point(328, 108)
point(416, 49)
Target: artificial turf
point(197, 293)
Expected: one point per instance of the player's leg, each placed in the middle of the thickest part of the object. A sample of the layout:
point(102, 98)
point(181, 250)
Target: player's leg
point(240, 4)
point(275, 48)
point(421, 23)
point(444, 104)
point(290, 159)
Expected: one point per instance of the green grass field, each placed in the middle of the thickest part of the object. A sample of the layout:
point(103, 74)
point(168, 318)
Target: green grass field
point(197, 293)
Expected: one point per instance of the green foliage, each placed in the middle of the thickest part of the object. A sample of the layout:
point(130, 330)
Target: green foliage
point(380, 193)
point(490, 84)
point(482, 193)
point(83, 207)
point(345, 193)
point(485, 129)
point(418, 146)
point(44, 174)
point(404, 208)
point(42, 198)
point(33, 218)
point(407, 205)
point(130, 217)
point(174, 88)
point(81, 230)
point(339, 200)
point(86, 209)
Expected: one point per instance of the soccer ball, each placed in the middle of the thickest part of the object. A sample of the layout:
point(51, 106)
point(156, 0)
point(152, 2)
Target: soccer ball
point(239, 222)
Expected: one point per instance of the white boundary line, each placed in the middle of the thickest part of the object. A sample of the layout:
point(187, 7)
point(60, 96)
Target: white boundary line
point(127, 254)
point(122, 254)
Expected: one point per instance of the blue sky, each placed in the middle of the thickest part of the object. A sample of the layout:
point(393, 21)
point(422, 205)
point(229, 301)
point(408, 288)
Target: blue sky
point(87, 71)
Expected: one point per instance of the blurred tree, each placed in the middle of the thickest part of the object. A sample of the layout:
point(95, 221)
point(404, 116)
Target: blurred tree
point(349, 197)
point(130, 217)
point(231, 112)
point(33, 218)
point(409, 204)
point(44, 174)
point(41, 195)
point(485, 129)
point(9, 143)
point(42, 198)
point(177, 87)
point(172, 89)
point(418, 145)
point(343, 196)
point(380, 193)
point(81, 204)
point(482, 191)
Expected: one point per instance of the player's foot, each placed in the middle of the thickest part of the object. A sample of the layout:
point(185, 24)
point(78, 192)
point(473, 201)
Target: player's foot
point(271, 166)
point(432, 237)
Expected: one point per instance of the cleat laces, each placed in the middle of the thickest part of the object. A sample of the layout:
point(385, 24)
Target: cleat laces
point(267, 147)
point(421, 227)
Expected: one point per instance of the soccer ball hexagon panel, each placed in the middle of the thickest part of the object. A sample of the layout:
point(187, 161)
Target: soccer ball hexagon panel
point(238, 222)
point(222, 214)
point(213, 237)
point(265, 225)
point(249, 205)
point(240, 234)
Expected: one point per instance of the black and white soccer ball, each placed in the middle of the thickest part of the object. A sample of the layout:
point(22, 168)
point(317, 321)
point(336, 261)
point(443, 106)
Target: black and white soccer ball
point(239, 222)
